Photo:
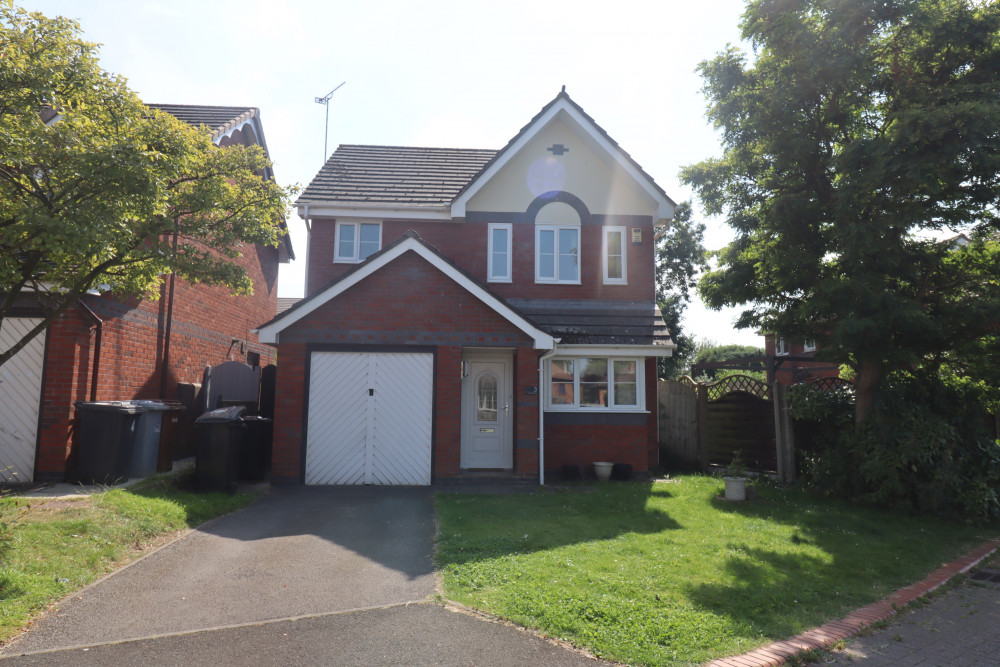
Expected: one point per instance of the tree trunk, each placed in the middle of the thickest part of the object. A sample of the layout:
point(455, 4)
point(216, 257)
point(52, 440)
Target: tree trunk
point(869, 374)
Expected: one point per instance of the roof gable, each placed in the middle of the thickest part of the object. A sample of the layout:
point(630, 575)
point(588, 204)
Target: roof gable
point(565, 110)
point(410, 242)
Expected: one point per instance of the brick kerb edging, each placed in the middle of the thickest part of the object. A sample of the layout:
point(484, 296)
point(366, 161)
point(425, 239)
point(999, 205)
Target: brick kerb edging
point(830, 633)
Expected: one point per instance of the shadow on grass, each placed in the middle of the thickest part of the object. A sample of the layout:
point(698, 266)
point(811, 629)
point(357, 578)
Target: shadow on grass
point(485, 527)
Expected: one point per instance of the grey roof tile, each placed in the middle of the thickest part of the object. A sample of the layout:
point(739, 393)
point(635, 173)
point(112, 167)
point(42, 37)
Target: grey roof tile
point(594, 322)
point(218, 119)
point(395, 175)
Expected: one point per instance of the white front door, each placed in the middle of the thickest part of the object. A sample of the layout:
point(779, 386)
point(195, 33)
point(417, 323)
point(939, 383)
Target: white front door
point(487, 413)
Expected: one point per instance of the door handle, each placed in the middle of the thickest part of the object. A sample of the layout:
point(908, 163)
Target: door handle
point(506, 409)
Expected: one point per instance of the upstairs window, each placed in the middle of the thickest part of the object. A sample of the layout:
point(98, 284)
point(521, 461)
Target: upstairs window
point(498, 254)
point(809, 346)
point(780, 347)
point(355, 241)
point(614, 256)
point(557, 258)
point(557, 244)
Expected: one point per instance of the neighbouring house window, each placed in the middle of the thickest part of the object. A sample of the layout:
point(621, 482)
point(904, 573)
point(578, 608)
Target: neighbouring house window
point(780, 347)
point(557, 254)
point(614, 256)
point(499, 257)
point(809, 346)
point(595, 383)
point(355, 241)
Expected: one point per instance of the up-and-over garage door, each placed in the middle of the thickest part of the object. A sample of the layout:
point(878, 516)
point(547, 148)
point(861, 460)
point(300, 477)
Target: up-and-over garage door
point(370, 417)
point(20, 398)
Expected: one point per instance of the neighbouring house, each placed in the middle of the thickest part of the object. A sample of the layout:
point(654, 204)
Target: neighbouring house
point(113, 348)
point(793, 361)
point(473, 310)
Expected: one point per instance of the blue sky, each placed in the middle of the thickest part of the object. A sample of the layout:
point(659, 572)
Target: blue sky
point(430, 73)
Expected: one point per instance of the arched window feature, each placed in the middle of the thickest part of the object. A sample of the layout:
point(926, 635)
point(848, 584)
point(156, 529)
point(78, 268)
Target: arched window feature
point(486, 397)
point(557, 244)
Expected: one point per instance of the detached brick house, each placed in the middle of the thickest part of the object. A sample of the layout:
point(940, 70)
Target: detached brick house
point(791, 361)
point(113, 348)
point(471, 310)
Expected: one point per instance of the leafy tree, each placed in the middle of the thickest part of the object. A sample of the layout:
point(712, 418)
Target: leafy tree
point(680, 257)
point(859, 129)
point(98, 191)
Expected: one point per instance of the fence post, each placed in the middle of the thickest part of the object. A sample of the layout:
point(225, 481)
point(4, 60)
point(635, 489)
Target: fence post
point(783, 439)
point(702, 417)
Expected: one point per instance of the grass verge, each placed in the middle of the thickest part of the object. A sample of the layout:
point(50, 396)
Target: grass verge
point(52, 547)
point(668, 574)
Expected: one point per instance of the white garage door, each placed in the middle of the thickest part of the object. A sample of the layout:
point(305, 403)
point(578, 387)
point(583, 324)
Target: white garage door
point(369, 418)
point(20, 398)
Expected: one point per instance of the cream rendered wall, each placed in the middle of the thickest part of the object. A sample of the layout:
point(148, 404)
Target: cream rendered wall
point(590, 175)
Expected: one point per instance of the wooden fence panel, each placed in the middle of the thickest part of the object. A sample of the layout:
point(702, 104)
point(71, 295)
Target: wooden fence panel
point(678, 410)
point(744, 422)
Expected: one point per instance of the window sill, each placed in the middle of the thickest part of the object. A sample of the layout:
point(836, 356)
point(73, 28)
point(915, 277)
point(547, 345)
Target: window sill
point(613, 411)
point(499, 280)
point(557, 282)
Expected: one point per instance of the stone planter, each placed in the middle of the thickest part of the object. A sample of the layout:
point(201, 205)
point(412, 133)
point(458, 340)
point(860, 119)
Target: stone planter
point(736, 488)
point(603, 470)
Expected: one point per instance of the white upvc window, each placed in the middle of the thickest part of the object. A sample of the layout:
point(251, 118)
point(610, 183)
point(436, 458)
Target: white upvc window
point(355, 241)
point(615, 259)
point(780, 347)
point(557, 254)
point(595, 384)
point(809, 346)
point(498, 260)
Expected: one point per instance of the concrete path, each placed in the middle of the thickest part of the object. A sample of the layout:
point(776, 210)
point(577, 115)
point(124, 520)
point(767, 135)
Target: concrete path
point(305, 575)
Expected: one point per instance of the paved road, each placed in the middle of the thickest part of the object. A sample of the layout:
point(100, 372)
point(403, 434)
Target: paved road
point(961, 628)
point(334, 575)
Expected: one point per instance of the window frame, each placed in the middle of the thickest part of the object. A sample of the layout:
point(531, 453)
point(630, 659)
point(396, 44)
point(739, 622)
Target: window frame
point(640, 385)
point(557, 229)
point(509, 274)
point(623, 280)
point(357, 225)
point(809, 345)
point(780, 347)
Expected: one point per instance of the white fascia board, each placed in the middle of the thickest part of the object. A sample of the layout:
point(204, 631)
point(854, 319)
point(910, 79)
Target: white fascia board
point(618, 350)
point(375, 211)
point(664, 208)
point(270, 333)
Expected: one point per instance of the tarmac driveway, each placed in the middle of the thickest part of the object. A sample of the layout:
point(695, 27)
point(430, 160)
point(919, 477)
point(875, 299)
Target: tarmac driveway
point(305, 574)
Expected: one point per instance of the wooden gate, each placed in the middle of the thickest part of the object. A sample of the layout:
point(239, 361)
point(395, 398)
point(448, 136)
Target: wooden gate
point(678, 417)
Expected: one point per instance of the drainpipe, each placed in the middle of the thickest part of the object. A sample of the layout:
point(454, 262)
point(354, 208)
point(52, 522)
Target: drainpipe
point(541, 414)
point(305, 219)
point(165, 365)
point(98, 337)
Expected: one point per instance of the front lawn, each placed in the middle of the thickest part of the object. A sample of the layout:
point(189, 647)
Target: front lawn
point(664, 573)
point(52, 547)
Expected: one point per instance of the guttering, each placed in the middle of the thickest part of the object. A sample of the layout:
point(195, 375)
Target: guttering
point(98, 337)
point(541, 413)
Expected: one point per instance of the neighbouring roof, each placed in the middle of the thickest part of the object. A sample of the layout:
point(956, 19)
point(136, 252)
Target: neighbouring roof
point(593, 322)
point(395, 175)
point(284, 303)
point(218, 119)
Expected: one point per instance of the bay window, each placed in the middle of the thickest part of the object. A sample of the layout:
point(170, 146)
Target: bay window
point(595, 383)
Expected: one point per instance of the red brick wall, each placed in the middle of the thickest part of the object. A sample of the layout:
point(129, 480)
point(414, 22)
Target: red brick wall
point(466, 245)
point(408, 302)
point(205, 321)
point(588, 440)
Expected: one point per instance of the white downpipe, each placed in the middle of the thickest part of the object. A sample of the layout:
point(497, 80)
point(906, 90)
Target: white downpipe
point(541, 414)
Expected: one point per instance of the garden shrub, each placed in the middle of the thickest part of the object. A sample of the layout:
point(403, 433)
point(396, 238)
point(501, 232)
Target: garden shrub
point(924, 448)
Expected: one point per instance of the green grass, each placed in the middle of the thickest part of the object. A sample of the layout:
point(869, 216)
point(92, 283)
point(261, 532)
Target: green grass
point(667, 574)
point(49, 548)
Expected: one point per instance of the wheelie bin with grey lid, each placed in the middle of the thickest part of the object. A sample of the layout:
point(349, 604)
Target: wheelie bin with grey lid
point(147, 438)
point(107, 436)
point(218, 435)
